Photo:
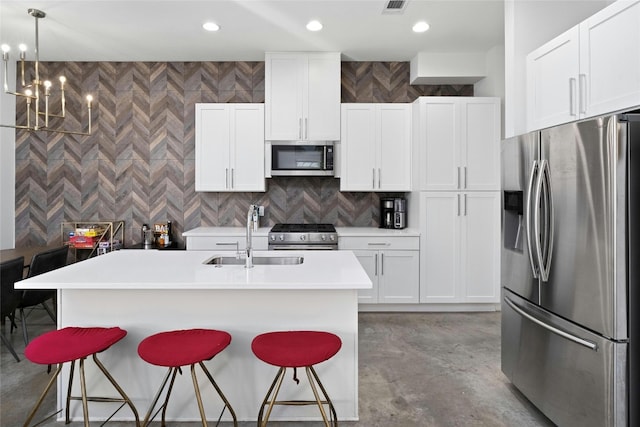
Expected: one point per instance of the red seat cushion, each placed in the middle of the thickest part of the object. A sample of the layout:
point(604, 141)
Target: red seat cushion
point(71, 343)
point(183, 347)
point(293, 349)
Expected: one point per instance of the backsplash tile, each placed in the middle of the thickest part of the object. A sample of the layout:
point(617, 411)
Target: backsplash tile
point(139, 163)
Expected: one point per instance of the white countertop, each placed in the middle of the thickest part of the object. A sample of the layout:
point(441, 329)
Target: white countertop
point(224, 231)
point(376, 232)
point(154, 269)
point(264, 231)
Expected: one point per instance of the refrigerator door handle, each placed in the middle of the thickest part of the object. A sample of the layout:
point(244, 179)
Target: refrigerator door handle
point(546, 257)
point(590, 345)
point(534, 168)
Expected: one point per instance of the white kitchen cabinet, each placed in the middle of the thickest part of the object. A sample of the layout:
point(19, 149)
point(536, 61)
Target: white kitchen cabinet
point(457, 143)
point(302, 96)
point(375, 147)
point(229, 147)
point(460, 241)
point(589, 70)
point(393, 265)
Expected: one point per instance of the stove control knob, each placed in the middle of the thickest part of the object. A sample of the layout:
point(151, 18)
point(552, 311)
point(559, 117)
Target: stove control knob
point(282, 237)
point(332, 237)
point(273, 238)
point(324, 237)
point(303, 237)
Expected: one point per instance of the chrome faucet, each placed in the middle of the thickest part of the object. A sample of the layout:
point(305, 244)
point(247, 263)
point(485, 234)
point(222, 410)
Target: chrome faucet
point(251, 215)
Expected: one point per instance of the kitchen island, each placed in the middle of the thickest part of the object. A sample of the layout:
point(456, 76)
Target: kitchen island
point(148, 291)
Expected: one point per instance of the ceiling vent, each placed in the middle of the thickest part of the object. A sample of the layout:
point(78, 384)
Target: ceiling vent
point(395, 6)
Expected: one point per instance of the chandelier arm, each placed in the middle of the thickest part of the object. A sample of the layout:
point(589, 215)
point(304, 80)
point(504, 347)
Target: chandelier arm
point(30, 129)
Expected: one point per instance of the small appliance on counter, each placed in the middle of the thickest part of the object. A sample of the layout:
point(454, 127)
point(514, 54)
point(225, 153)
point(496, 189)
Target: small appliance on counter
point(386, 213)
point(393, 212)
point(399, 213)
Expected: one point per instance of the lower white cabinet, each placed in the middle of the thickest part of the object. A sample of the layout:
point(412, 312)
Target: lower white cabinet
point(393, 265)
point(460, 256)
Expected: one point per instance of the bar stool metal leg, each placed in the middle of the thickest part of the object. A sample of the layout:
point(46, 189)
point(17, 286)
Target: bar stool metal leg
point(42, 396)
point(222, 396)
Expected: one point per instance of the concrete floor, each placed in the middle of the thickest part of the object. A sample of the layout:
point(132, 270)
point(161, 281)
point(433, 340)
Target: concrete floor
point(416, 369)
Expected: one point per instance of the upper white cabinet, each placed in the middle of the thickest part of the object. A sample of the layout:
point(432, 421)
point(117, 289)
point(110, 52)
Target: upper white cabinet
point(229, 147)
point(457, 143)
point(375, 147)
point(591, 69)
point(302, 96)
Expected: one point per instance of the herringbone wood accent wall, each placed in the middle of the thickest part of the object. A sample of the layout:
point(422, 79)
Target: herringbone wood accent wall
point(139, 163)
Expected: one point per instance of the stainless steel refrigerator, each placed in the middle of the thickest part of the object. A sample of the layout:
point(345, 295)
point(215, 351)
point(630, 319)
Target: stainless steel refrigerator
point(569, 279)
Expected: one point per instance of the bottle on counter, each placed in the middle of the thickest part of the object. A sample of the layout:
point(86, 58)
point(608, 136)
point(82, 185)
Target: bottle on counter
point(167, 239)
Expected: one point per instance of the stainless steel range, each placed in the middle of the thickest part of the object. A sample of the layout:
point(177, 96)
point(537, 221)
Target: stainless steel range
point(303, 237)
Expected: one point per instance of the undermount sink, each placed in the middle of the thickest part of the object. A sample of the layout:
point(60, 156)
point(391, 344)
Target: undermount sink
point(219, 260)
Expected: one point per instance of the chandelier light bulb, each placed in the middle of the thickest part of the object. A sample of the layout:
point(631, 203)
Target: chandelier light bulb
point(5, 48)
point(22, 47)
point(89, 99)
point(63, 79)
point(28, 92)
point(47, 83)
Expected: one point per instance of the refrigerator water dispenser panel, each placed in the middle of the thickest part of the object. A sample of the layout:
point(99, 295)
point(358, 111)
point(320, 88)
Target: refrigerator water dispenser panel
point(513, 221)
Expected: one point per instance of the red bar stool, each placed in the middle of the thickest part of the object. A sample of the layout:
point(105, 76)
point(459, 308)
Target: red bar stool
point(174, 349)
point(73, 344)
point(296, 349)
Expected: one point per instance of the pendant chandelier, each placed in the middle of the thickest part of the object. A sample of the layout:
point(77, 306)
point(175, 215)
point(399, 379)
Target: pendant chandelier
point(37, 92)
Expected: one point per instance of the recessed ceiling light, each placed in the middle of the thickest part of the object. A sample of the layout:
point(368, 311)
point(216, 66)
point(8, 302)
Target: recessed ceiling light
point(314, 25)
point(210, 26)
point(420, 27)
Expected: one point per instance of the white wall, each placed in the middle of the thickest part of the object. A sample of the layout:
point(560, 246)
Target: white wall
point(528, 25)
point(7, 164)
point(493, 84)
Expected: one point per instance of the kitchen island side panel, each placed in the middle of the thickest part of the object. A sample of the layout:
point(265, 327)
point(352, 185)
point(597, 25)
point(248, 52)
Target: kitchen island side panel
point(242, 377)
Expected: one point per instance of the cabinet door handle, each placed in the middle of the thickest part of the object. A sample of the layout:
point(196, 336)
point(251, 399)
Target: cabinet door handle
point(379, 179)
point(226, 178)
point(458, 177)
point(373, 177)
point(458, 203)
point(572, 96)
point(464, 169)
point(232, 173)
point(382, 264)
point(378, 244)
point(300, 128)
point(306, 128)
point(465, 205)
point(376, 264)
point(582, 80)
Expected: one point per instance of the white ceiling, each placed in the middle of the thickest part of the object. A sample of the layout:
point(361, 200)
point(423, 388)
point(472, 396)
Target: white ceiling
point(145, 30)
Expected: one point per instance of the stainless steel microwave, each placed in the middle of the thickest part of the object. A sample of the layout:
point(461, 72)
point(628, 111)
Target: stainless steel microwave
point(302, 158)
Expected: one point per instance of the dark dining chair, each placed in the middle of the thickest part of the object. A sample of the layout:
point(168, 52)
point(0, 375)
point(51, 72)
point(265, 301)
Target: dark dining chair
point(41, 262)
point(10, 273)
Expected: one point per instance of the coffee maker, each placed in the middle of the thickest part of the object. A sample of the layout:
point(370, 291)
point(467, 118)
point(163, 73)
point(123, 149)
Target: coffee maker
point(386, 213)
point(399, 213)
point(393, 212)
